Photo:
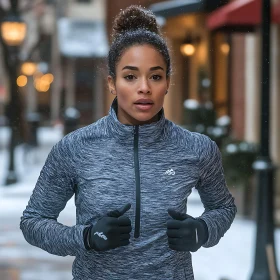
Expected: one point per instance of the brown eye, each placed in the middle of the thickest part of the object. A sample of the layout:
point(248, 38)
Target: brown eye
point(156, 77)
point(129, 77)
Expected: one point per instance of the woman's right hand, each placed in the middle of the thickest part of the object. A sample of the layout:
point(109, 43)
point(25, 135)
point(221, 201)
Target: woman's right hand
point(110, 231)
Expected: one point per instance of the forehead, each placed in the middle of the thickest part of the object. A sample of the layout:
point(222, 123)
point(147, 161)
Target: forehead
point(142, 56)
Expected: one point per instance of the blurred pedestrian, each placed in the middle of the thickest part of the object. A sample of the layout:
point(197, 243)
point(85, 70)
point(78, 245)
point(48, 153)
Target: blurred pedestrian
point(131, 173)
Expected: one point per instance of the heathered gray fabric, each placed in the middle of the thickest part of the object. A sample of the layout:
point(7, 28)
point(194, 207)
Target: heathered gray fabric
point(96, 163)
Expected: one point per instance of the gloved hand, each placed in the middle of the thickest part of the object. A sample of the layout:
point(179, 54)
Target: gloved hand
point(185, 233)
point(110, 231)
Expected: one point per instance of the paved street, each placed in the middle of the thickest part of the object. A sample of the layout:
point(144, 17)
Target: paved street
point(231, 259)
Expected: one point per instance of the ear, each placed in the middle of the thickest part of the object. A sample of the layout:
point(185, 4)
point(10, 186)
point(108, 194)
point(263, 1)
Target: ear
point(111, 83)
point(168, 82)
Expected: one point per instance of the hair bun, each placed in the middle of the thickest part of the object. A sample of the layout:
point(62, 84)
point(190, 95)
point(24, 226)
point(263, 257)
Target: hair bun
point(132, 18)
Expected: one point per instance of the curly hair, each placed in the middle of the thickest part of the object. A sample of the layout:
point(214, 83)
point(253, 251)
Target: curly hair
point(135, 26)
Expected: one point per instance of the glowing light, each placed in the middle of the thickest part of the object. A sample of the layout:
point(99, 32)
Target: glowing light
point(22, 81)
point(187, 49)
point(41, 85)
point(225, 48)
point(42, 82)
point(13, 33)
point(28, 68)
point(48, 78)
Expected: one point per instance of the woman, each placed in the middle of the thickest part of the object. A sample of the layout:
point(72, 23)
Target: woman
point(131, 172)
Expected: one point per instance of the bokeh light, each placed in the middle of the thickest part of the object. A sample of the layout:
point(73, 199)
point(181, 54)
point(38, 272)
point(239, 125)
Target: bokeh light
point(13, 33)
point(48, 78)
point(22, 81)
point(28, 68)
point(187, 49)
point(225, 48)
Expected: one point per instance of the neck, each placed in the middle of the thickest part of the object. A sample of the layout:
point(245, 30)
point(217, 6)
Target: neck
point(128, 120)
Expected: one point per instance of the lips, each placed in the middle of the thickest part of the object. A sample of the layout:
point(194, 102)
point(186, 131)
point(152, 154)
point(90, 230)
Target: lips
point(144, 105)
point(144, 102)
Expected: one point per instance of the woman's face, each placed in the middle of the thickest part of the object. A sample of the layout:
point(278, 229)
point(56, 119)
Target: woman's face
point(140, 85)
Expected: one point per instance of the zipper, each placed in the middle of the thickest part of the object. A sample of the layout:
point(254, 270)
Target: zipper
point(137, 181)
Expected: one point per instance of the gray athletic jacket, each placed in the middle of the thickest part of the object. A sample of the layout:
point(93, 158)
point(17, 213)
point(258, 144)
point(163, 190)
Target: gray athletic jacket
point(107, 165)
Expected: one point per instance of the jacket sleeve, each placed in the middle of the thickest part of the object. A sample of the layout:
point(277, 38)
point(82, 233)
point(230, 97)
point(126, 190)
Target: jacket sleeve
point(219, 204)
point(54, 187)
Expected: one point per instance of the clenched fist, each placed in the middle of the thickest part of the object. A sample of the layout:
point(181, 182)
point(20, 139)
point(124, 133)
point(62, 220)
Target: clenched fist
point(185, 233)
point(110, 231)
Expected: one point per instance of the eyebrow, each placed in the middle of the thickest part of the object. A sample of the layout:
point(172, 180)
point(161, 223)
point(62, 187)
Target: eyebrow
point(136, 68)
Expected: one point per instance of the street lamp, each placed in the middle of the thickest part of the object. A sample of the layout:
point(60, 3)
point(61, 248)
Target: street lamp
point(188, 46)
point(187, 49)
point(265, 267)
point(225, 48)
point(13, 31)
point(29, 69)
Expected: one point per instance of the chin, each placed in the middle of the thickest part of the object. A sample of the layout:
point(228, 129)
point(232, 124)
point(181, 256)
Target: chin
point(146, 119)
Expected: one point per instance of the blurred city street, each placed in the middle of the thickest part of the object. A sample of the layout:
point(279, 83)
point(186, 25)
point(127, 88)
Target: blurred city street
point(58, 60)
point(18, 259)
point(231, 259)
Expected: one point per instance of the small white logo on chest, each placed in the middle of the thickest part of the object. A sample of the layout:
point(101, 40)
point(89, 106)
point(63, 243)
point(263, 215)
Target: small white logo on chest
point(101, 235)
point(170, 172)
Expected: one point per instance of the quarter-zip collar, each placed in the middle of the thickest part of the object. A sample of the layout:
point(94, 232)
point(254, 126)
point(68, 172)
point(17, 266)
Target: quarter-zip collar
point(150, 132)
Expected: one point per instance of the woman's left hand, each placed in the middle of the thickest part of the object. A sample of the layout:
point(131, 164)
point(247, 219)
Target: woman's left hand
point(185, 233)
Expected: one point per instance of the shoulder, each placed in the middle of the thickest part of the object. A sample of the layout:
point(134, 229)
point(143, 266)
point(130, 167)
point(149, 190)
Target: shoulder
point(192, 140)
point(176, 132)
point(76, 140)
point(87, 133)
point(206, 148)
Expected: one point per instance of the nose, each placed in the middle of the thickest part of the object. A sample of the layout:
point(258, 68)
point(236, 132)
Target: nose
point(144, 86)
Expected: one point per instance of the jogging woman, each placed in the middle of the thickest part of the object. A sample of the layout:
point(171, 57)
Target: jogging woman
point(131, 173)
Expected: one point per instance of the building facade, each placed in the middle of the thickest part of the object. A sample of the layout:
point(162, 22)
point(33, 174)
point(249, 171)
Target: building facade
point(229, 55)
point(245, 75)
point(79, 60)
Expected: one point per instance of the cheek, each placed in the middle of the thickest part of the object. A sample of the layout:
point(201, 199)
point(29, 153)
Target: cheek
point(121, 89)
point(162, 100)
point(123, 94)
point(162, 94)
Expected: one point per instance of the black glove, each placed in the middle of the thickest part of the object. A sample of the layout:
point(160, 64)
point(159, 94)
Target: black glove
point(109, 232)
point(185, 233)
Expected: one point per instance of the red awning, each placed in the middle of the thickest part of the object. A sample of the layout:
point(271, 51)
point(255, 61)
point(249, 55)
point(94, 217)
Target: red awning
point(276, 13)
point(237, 15)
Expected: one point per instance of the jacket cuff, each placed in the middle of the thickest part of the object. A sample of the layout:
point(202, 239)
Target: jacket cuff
point(86, 235)
point(205, 228)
